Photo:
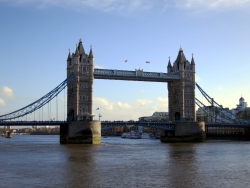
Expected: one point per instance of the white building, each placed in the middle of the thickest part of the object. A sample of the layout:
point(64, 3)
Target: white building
point(221, 115)
point(240, 107)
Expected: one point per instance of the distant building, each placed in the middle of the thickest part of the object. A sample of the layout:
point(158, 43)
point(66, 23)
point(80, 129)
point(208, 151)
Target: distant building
point(157, 116)
point(8, 127)
point(240, 107)
point(221, 114)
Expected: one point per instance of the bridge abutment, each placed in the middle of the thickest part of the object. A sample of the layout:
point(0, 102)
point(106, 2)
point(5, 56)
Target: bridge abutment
point(81, 132)
point(185, 132)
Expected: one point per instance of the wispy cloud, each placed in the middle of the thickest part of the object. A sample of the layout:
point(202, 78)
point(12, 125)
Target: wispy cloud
point(103, 5)
point(6, 92)
point(2, 102)
point(197, 78)
point(135, 5)
point(219, 88)
point(143, 102)
point(113, 110)
point(98, 67)
point(142, 91)
point(212, 4)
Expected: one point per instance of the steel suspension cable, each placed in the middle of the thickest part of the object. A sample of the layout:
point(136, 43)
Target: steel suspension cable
point(37, 104)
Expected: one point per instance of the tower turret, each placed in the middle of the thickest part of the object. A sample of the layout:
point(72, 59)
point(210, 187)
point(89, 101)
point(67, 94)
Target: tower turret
point(169, 66)
point(69, 57)
point(76, 52)
point(91, 53)
point(193, 63)
point(80, 47)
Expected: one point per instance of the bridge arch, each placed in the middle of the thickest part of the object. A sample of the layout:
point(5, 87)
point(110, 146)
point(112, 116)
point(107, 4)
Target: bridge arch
point(177, 116)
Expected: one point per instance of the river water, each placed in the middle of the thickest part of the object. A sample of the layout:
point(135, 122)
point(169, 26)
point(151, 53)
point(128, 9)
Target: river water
point(40, 161)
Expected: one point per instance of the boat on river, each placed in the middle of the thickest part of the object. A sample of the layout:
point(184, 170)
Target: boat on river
point(132, 135)
point(8, 134)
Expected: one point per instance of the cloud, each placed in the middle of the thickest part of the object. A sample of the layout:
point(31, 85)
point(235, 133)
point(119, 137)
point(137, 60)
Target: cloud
point(2, 102)
point(104, 103)
point(197, 78)
point(126, 6)
point(113, 110)
point(103, 5)
point(98, 67)
point(6, 92)
point(125, 105)
point(142, 91)
point(144, 102)
point(162, 100)
point(212, 4)
point(219, 88)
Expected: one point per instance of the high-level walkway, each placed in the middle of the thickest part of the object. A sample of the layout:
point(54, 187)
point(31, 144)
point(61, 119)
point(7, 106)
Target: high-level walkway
point(137, 75)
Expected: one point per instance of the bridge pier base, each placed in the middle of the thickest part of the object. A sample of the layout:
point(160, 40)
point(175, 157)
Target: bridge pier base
point(81, 132)
point(185, 132)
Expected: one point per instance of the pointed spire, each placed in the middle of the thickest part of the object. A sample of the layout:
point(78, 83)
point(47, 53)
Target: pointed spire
point(77, 52)
point(181, 57)
point(91, 53)
point(180, 50)
point(80, 47)
point(169, 63)
point(69, 56)
point(192, 61)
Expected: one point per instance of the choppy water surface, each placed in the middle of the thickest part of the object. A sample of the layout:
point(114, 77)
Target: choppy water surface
point(40, 161)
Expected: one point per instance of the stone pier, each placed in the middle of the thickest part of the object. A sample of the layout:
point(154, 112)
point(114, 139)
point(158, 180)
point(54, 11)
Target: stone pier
point(185, 132)
point(81, 132)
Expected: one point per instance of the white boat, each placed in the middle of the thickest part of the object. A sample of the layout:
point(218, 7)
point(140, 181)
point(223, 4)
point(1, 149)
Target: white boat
point(145, 135)
point(132, 135)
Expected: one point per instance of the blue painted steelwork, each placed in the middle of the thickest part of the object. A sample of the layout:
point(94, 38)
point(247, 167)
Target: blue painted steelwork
point(32, 123)
point(203, 107)
point(105, 124)
point(222, 111)
point(236, 125)
point(159, 125)
point(37, 104)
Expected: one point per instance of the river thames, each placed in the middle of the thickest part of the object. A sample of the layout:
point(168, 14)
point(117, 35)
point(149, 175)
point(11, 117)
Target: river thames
point(40, 161)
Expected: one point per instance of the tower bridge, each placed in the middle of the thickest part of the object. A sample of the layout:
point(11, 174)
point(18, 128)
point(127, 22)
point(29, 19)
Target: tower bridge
point(80, 126)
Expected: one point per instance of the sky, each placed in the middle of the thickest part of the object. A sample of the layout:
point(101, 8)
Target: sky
point(36, 35)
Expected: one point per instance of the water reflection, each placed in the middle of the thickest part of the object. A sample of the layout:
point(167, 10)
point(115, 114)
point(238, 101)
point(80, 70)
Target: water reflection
point(40, 161)
point(183, 164)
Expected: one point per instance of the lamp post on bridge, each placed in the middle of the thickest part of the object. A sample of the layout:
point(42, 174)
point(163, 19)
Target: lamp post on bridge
point(99, 115)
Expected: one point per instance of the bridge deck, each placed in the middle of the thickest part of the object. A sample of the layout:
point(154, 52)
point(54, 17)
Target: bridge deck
point(113, 124)
point(137, 75)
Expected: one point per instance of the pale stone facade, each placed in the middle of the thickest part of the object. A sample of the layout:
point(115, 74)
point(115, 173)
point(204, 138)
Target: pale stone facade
point(182, 92)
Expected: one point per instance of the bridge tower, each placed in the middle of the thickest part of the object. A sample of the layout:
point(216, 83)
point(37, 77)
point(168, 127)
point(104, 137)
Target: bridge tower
point(182, 103)
point(80, 97)
point(182, 92)
point(81, 127)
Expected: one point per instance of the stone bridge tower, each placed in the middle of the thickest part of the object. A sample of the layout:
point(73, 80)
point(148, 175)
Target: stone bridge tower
point(81, 128)
point(182, 92)
point(80, 98)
